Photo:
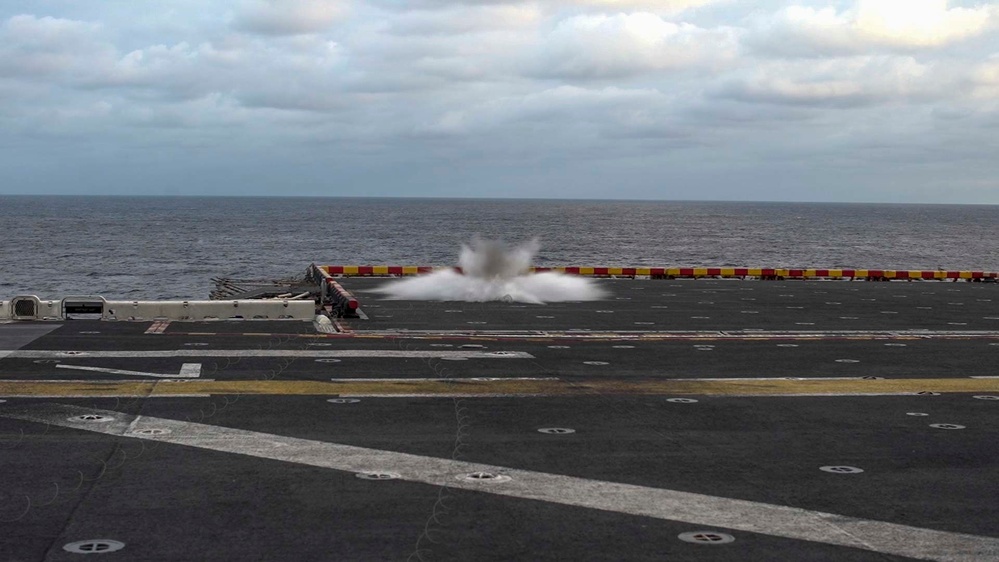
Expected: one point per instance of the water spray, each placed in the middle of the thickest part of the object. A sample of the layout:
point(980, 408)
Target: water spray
point(493, 271)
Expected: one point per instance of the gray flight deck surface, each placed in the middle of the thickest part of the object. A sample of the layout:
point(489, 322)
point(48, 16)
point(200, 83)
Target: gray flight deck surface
point(219, 440)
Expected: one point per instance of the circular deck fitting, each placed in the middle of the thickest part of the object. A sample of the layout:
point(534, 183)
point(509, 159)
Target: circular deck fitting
point(986, 397)
point(327, 360)
point(848, 360)
point(787, 345)
point(93, 546)
point(927, 393)
point(556, 430)
point(841, 469)
point(343, 400)
point(706, 537)
point(150, 431)
point(916, 414)
point(595, 363)
point(490, 477)
point(896, 345)
point(46, 361)
point(623, 346)
point(378, 475)
point(91, 418)
point(946, 426)
point(558, 347)
point(682, 400)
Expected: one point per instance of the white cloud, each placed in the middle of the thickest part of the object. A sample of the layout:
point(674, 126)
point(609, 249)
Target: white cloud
point(39, 47)
point(841, 82)
point(288, 17)
point(602, 46)
point(869, 24)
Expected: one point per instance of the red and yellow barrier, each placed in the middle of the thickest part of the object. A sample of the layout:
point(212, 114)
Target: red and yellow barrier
point(689, 272)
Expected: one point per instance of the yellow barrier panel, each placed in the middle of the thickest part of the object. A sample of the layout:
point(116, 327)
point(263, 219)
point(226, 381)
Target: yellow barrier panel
point(728, 271)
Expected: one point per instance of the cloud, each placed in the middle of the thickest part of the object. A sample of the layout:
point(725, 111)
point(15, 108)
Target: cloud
point(869, 24)
point(38, 47)
point(840, 82)
point(288, 17)
point(621, 45)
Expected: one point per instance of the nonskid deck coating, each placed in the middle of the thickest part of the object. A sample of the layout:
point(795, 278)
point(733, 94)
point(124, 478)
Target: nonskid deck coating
point(159, 498)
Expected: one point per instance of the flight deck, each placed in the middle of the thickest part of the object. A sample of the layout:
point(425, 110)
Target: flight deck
point(673, 420)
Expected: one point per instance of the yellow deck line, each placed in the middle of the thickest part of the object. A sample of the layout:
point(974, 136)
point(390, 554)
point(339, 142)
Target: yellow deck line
point(717, 387)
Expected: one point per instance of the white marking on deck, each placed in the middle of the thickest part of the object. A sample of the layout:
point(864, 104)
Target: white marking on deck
point(158, 327)
point(696, 509)
point(187, 371)
point(354, 353)
point(451, 379)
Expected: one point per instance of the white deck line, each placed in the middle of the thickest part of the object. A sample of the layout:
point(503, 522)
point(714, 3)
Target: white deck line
point(696, 509)
point(202, 352)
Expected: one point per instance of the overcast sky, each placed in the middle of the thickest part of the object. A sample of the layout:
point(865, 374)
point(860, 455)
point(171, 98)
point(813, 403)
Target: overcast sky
point(873, 100)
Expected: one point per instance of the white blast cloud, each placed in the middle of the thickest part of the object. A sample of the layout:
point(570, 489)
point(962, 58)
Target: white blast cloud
point(494, 272)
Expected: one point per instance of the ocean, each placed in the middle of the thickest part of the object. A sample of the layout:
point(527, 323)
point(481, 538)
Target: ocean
point(171, 247)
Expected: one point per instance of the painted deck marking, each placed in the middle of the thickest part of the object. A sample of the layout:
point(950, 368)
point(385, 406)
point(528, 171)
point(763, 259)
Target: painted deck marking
point(696, 509)
point(491, 387)
point(354, 353)
point(187, 371)
point(158, 327)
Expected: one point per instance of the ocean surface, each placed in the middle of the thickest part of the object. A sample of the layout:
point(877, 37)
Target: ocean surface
point(171, 247)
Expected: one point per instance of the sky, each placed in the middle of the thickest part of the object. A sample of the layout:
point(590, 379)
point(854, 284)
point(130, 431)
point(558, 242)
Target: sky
point(862, 101)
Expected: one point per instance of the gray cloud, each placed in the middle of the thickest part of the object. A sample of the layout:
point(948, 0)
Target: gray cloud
point(527, 98)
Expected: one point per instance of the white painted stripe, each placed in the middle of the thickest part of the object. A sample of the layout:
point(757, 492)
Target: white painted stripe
point(90, 381)
point(187, 371)
point(108, 395)
point(354, 353)
point(696, 509)
point(5, 353)
point(451, 379)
